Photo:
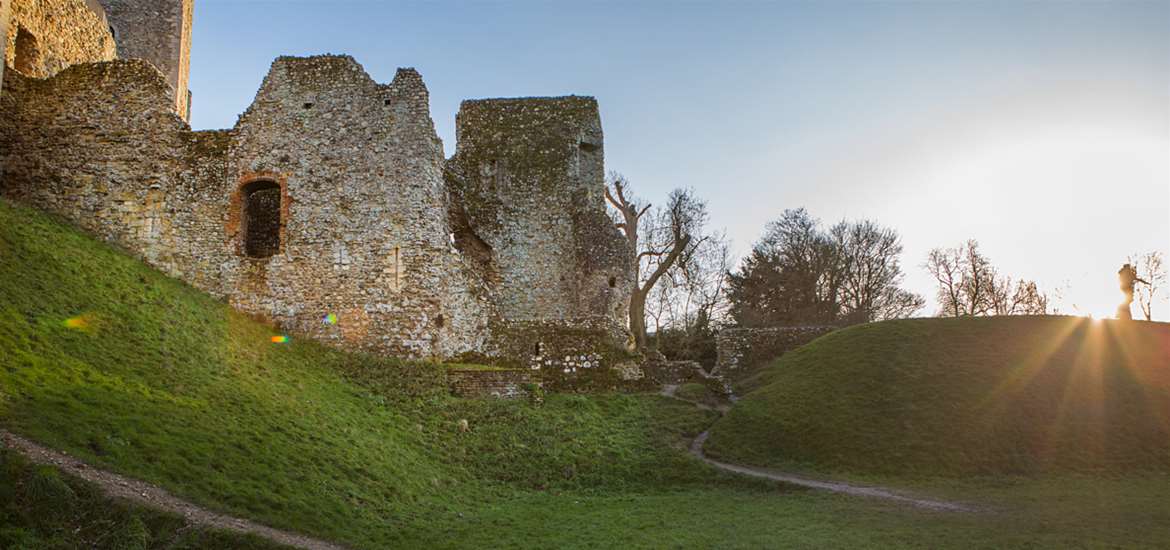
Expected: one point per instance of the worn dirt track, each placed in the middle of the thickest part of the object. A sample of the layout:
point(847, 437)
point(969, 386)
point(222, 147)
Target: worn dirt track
point(825, 485)
point(119, 486)
point(144, 493)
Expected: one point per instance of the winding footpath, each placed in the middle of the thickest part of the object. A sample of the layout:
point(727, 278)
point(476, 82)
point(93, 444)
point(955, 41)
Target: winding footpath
point(825, 485)
point(119, 486)
point(144, 493)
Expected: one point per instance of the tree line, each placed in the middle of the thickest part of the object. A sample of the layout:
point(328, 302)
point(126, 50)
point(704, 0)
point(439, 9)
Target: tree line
point(799, 273)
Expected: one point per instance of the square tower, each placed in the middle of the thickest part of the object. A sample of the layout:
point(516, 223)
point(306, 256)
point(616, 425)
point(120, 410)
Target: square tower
point(158, 31)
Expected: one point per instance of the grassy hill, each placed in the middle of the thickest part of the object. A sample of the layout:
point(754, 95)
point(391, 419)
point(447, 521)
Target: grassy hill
point(961, 396)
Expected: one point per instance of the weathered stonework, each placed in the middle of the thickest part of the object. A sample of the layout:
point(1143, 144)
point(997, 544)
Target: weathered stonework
point(364, 229)
point(43, 37)
point(527, 178)
point(5, 17)
point(158, 31)
point(501, 383)
point(740, 350)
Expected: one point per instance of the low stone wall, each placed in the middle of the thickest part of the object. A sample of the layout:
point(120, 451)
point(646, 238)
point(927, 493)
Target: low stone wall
point(741, 349)
point(502, 383)
point(677, 373)
point(673, 372)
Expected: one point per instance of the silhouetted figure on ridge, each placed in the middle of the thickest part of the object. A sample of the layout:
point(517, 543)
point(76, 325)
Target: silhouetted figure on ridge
point(1128, 277)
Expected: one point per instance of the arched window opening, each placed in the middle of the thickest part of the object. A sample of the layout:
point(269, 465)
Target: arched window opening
point(28, 53)
point(261, 219)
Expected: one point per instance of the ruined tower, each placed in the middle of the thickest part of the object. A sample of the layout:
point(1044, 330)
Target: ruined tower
point(158, 31)
point(528, 176)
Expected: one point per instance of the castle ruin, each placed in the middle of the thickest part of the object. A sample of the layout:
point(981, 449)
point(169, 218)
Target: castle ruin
point(330, 195)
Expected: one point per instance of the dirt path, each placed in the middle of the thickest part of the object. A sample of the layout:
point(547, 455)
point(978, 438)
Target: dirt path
point(826, 485)
point(144, 493)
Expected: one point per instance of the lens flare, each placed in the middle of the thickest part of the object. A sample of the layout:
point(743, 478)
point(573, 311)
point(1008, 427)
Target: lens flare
point(280, 339)
point(329, 319)
point(86, 322)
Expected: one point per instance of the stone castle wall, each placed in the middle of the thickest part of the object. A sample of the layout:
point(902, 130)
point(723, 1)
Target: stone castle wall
point(328, 208)
point(528, 178)
point(363, 210)
point(42, 37)
point(741, 350)
point(364, 225)
point(367, 234)
point(158, 31)
point(5, 18)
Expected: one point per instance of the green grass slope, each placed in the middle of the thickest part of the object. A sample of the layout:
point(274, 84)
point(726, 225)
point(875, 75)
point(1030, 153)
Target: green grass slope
point(960, 396)
point(130, 370)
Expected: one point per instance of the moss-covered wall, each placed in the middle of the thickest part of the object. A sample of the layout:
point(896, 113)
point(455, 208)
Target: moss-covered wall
point(500, 383)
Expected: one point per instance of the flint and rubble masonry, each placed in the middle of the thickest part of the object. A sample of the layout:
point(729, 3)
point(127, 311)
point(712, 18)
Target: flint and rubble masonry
point(741, 349)
point(505, 250)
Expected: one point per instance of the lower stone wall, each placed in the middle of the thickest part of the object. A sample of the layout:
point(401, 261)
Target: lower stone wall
point(673, 372)
point(501, 383)
point(677, 373)
point(573, 355)
point(742, 349)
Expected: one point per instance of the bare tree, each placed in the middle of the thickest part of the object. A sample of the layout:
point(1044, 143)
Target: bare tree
point(1151, 269)
point(1021, 298)
point(969, 285)
point(695, 288)
point(658, 241)
point(946, 265)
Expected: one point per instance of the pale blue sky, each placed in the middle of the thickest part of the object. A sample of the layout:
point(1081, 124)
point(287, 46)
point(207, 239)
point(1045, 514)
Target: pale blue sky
point(1041, 129)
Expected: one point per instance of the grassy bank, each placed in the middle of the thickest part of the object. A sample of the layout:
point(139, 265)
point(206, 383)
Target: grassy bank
point(41, 508)
point(922, 397)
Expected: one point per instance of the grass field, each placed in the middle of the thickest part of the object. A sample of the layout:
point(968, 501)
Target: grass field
point(109, 360)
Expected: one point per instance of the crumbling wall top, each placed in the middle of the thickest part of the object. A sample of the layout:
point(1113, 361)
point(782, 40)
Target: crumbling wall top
point(536, 128)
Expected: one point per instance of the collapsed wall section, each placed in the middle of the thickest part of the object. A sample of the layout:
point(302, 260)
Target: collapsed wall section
point(528, 177)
